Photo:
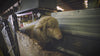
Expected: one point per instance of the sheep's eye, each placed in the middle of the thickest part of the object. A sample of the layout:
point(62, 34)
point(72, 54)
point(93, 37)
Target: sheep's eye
point(41, 29)
point(48, 26)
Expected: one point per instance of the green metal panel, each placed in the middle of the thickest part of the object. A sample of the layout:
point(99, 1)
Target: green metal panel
point(82, 22)
point(81, 31)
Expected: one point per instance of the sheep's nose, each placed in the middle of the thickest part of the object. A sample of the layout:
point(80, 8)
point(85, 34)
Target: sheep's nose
point(59, 37)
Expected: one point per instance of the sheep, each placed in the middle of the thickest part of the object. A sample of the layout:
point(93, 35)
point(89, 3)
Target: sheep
point(45, 30)
point(30, 47)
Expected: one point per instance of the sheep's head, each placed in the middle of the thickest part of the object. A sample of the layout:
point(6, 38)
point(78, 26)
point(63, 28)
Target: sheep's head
point(49, 26)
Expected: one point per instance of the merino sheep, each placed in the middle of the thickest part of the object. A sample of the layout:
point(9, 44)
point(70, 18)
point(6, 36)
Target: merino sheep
point(44, 30)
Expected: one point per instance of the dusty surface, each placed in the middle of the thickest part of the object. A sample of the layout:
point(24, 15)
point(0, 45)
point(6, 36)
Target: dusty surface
point(26, 46)
point(30, 47)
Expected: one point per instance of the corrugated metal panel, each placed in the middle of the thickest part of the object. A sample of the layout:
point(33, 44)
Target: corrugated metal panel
point(81, 30)
point(82, 22)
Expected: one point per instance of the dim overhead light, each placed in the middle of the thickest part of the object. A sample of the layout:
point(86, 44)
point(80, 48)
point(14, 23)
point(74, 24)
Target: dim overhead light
point(59, 8)
point(86, 3)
